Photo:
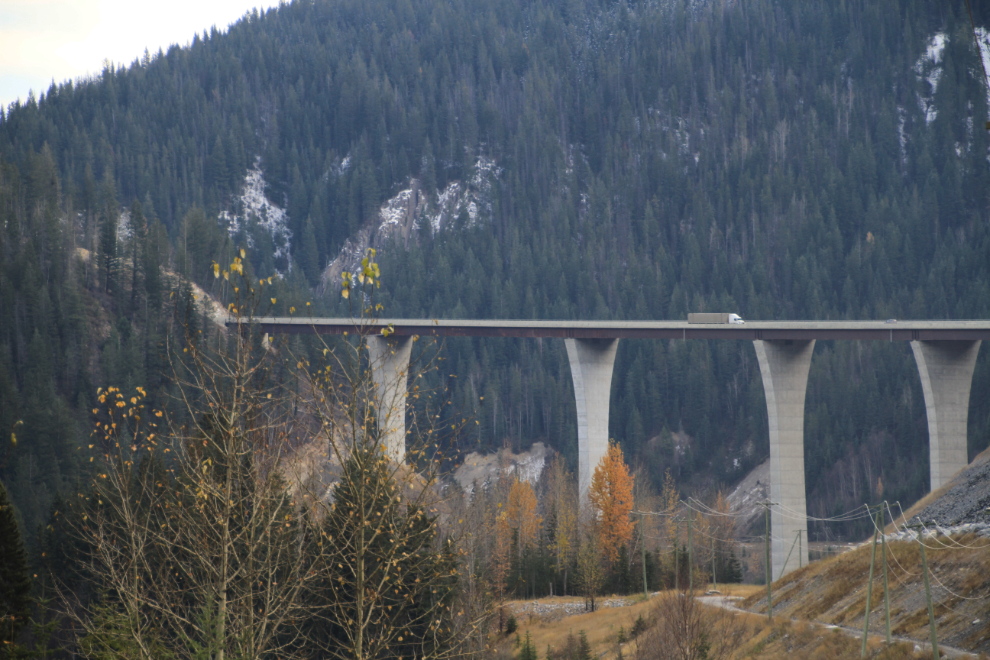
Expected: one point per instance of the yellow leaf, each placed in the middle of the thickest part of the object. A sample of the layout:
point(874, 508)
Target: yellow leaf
point(242, 253)
point(346, 293)
point(292, 310)
point(273, 301)
point(216, 270)
point(13, 439)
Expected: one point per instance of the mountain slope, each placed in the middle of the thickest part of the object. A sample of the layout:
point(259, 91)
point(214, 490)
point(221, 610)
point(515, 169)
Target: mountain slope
point(957, 537)
point(775, 159)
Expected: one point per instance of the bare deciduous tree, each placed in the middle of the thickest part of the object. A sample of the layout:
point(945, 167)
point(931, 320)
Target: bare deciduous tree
point(194, 539)
point(206, 539)
point(388, 567)
point(590, 570)
point(684, 629)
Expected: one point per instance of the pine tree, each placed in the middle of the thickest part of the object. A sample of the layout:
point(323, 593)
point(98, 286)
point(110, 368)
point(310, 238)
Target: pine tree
point(309, 258)
point(15, 580)
point(584, 648)
point(109, 216)
point(409, 584)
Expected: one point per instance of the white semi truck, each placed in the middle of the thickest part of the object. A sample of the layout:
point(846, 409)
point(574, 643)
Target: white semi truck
point(715, 317)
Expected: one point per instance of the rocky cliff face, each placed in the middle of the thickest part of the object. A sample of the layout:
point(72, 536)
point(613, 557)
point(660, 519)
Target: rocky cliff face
point(962, 503)
point(460, 204)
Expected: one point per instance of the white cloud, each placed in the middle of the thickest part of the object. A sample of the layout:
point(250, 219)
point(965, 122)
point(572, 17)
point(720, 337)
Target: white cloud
point(42, 40)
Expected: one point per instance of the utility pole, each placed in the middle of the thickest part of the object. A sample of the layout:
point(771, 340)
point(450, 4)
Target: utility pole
point(928, 590)
point(714, 577)
point(677, 555)
point(642, 541)
point(690, 557)
point(869, 588)
point(766, 514)
point(797, 541)
point(886, 592)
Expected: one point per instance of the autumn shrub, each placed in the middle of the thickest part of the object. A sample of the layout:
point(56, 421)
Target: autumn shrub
point(684, 629)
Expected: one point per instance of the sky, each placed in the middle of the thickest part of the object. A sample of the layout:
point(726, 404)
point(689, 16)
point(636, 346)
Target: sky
point(42, 40)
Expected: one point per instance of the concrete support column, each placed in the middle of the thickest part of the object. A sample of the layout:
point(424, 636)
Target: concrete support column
point(389, 359)
point(946, 369)
point(784, 365)
point(591, 370)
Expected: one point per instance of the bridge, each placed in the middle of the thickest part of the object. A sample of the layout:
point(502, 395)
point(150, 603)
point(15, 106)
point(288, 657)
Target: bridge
point(945, 352)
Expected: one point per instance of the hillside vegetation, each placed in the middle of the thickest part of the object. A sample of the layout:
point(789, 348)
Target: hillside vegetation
point(780, 160)
point(833, 591)
point(613, 630)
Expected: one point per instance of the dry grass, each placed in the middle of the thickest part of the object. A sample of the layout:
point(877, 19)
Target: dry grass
point(785, 639)
point(601, 627)
point(763, 641)
point(833, 591)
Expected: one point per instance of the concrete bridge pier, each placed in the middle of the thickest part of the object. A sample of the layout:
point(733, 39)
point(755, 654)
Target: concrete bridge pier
point(389, 359)
point(591, 370)
point(946, 369)
point(784, 365)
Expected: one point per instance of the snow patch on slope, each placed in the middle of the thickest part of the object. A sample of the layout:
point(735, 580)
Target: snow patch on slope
point(928, 67)
point(254, 218)
point(474, 198)
point(124, 229)
point(745, 497)
point(983, 40)
point(412, 208)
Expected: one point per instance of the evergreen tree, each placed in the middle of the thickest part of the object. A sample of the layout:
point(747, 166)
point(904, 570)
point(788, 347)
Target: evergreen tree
point(109, 221)
point(15, 579)
point(410, 583)
point(528, 650)
point(309, 259)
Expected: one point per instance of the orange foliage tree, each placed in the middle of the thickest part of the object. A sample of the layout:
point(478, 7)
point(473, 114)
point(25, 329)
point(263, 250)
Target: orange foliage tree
point(611, 497)
point(522, 513)
point(501, 561)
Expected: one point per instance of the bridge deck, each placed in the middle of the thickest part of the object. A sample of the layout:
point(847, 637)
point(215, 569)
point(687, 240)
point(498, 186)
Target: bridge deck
point(876, 330)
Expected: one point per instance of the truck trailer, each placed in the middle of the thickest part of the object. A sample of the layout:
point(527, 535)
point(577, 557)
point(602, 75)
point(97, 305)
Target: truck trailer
point(715, 317)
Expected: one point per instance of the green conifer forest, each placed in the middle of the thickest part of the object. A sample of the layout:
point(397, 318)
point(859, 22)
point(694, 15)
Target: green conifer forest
point(781, 160)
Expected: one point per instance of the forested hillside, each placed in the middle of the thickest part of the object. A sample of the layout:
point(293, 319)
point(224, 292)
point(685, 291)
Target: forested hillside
point(782, 160)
